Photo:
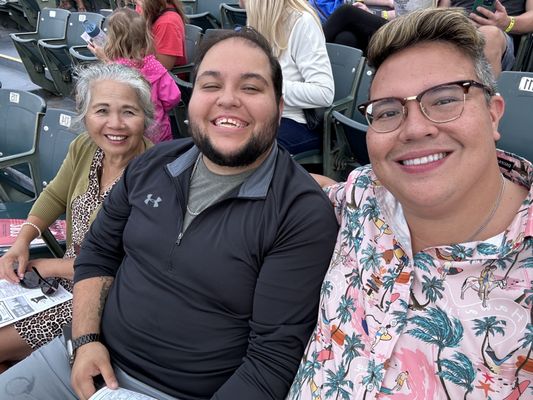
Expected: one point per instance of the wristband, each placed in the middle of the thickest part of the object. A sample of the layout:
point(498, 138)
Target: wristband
point(73, 345)
point(385, 14)
point(511, 24)
point(32, 224)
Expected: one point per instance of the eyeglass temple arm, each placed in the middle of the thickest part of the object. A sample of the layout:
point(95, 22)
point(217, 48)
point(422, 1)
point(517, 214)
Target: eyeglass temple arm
point(34, 269)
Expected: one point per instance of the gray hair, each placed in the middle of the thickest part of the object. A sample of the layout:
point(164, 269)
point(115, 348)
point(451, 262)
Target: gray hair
point(445, 25)
point(87, 75)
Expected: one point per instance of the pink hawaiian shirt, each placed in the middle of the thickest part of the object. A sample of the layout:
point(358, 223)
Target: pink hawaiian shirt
point(451, 322)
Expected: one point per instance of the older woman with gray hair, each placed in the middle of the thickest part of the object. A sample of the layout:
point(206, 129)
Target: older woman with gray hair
point(114, 104)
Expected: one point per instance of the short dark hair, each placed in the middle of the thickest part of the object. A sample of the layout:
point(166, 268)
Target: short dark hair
point(255, 39)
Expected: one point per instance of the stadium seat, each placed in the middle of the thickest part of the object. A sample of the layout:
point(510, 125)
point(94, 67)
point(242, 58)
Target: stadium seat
point(204, 20)
point(232, 16)
point(81, 54)
point(57, 131)
point(515, 127)
point(524, 54)
point(210, 6)
point(347, 64)
point(193, 36)
point(52, 24)
point(20, 115)
point(56, 53)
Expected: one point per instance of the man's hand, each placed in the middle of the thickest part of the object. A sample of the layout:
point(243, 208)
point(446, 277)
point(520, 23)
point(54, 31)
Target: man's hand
point(497, 18)
point(92, 360)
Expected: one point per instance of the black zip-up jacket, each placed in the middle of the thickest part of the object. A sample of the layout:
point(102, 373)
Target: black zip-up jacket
point(225, 309)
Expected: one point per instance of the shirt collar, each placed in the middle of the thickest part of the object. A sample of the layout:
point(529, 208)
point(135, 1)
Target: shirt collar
point(255, 186)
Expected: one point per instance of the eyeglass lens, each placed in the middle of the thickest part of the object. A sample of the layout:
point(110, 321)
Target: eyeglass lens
point(440, 104)
point(33, 279)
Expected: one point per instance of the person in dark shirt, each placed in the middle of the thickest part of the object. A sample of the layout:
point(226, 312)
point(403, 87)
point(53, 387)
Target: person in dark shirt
point(201, 275)
point(501, 29)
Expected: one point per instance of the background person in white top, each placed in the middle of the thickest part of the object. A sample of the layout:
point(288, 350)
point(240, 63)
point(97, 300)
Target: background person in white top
point(295, 34)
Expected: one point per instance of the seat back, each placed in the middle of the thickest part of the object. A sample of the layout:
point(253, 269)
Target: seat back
point(363, 92)
point(210, 33)
point(189, 6)
point(19, 119)
point(210, 6)
point(20, 115)
point(232, 16)
point(52, 23)
point(56, 134)
point(345, 65)
point(31, 10)
point(75, 26)
point(515, 126)
point(524, 54)
point(56, 54)
point(204, 20)
point(193, 35)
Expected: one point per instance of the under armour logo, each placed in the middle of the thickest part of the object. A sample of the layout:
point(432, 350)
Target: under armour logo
point(153, 202)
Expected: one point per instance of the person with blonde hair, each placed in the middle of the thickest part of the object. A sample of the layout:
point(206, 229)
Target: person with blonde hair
point(130, 43)
point(293, 30)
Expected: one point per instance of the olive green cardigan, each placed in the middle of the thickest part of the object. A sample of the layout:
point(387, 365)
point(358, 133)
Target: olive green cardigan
point(71, 180)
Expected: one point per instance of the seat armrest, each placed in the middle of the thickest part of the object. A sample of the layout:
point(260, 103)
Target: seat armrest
point(52, 43)
point(348, 121)
point(76, 52)
point(24, 37)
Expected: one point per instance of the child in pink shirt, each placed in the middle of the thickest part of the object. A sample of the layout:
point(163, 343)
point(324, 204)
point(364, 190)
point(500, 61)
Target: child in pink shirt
point(130, 43)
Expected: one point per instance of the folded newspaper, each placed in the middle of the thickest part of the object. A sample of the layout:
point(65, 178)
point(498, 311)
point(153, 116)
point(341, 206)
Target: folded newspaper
point(17, 302)
point(119, 394)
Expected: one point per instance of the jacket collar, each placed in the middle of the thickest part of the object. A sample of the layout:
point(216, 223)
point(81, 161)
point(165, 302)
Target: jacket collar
point(255, 186)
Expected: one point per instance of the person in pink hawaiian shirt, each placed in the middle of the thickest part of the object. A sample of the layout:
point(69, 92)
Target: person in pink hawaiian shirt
point(429, 291)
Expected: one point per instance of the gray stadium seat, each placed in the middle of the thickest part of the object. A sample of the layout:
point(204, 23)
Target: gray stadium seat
point(232, 16)
point(52, 24)
point(515, 127)
point(56, 54)
point(57, 131)
point(347, 64)
point(20, 115)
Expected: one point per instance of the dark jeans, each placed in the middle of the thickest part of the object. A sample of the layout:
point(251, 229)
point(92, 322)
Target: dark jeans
point(351, 26)
point(297, 138)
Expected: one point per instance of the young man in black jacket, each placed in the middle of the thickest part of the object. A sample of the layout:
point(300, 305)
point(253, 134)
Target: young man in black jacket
point(201, 276)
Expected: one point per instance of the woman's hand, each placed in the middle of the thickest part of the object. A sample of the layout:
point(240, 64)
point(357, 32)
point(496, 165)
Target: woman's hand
point(14, 262)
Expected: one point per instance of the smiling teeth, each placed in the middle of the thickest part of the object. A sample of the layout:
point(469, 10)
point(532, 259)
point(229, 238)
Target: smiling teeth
point(229, 122)
point(424, 160)
point(116, 138)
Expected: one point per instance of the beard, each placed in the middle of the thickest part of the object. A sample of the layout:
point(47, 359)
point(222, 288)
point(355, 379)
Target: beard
point(260, 142)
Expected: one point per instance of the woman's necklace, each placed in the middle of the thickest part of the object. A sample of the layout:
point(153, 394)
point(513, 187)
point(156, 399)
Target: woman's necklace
point(492, 212)
point(199, 211)
point(105, 186)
